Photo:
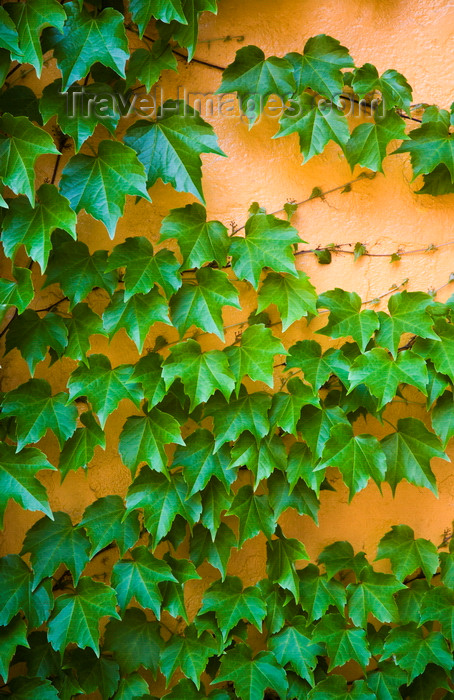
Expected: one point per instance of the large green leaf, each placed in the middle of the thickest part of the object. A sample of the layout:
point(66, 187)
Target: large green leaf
point(76, 270)
point(340, 556)
point(441, 352)
point(18, 595)
point(431, 144)
point(136, 315)
point(386, 680)
point(93, 673)
point(31, 18)
point(202, 373)
point(335, 688)
point(443, 417)
point(318, 593)
point(320, 66)
point(317, 366)
point(54, 542)
point(23, 688)
point(143, 439)
point(368, 143)
point(299, 496)
point(293, 646)
point(190, 653)
point(282, 553)
point(9, 38)
point(409, 451)
point(249, 412)
point(130, 687)
point(382, 375)
point(413, 650)
point(254, 78)
point(18, 292)
point(346, 317)
point(99, 184)
point(261, 458)
point(37, 411)
point(267, 242)
point(14, 634)
point(103, 386)
point(200, 462)
point(216, 551)
point(251, 676)
point(231, 603)
point(146, 66)
point(134, 641)
point(201, 304)
point(254, 355)
point(170, 147)
point(315, 124)
point(200, 241)
point(32, 227)
point(74, 115)
point(373, 594)
point(165, 10)
point(394, 89)
point(407, 314)
point(358, 458)
point(186, 33)
point(143, 267)
point(33, 336)
point(106, 521)
point(148, 372)
point(294, 297)
point(88, 39)
point(254, 514)
point(287, 406)
point(315, 426)
point(342, 641)
point(138, 578)
point(19, 150)
point(79, 449)
point(162, 500)
point(81, 325)
point(438, 606)
point(76, 616)
point(406, 553)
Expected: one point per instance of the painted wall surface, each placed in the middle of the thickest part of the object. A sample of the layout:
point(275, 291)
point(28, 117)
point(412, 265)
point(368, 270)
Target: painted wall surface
point(383, 213)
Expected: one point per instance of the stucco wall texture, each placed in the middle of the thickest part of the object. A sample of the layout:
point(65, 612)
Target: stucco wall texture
point(384, 213)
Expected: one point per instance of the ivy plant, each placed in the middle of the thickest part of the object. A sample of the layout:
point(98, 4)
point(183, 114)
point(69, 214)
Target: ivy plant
point(219, 442)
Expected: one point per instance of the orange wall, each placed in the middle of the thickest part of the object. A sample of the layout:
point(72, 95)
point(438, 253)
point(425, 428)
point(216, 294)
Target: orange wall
point(384, 213)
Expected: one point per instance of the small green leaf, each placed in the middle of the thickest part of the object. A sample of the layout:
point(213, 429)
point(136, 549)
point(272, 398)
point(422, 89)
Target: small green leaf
point(79, 449)
point(443, 418)
point(368, 142)
point(200, 462)
point(318, 593)
point(136, 316)
point(335, 688)
point(346, 318)
point(407, 554)
point(82, 324)
point(254, 514)
point(286, 407)
point(255, 355)
point(33, 336)
point(148, 372)
point(441, 352)
point(340, 556)
point(18, 594)
point(294, 297)
point(394, 89)
point(293, 646)
point(261, 458)
point(216, 551)
point(190, 653)
point(143, 439)
point(373, 594)
point(407, 314)
point(106, 521)
point(317, 366)
point(18, 293)
point(146, 66)
point(14, 634)
point(342, 641)
point(251, 676)
point(164, 10)
point(282, 553)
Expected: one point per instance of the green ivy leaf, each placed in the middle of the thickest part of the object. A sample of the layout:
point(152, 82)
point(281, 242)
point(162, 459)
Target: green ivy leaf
point(134, 641)
point(443, 418)
point(173, 593)
point(441, 352)
point(200, 462)
point(19, 150)
point(82, 324)
point(342, 642)
point(317, 366)
point(409, 600)
point(283, 496)
point(368, 142)
point(14, 634)
point(318, 593)
point(202, 373)
point(200, 241)
point(106, 521)
point(215, 499)
point(407, 314)
point(346, 317)
point(408, 453)
point(88, 39)
point(37, 411)
point(261, 458)
point(430, 145)
point(251, 676)
point(18, 293)
point(79, 449)
point(293, 646)
point(76, 616)
point(170, 147)
point(103, 386)
point(394, 89)
point(315, 426)
point(315, 123)
point(130, 687)
point(300, 467)
point(9, 38)
point(30, 19)
point(386, 680)
point(282, 553)
point(74, 115)
point(294, 297)
point(144, 268)
point(146, 66)
point(148, 372)
point(267, 242)
point(215, 550)
point(437, 605)
point(99, 184)
point(254, 514)
point(54, 542)
point(382, 375)
point(23, 688)
point(320, 66)
point(414, 650)
point(340, 556)
point(358, 457)
point(138, 578)
point(374, 594)
point(77, 271)
point(165, 10)
point(135, 316)
point(425, 685)
point(190, 653)
point(407, 554)
point(143, 439)
point(254, 356)
point(254, 78)
point(94, 673)
point(162, 500)
point(201, 304)
point(286, 407)
point(335, 688)
point(186, 33)
point(33, 336)
point(18, 593)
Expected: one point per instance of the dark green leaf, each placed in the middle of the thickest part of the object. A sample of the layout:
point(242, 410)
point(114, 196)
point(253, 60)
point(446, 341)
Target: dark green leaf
point(190, 653)
point(373, 594)
point(11, 636)
point(294, 646)
point(407, 554)
point(320, 66)
point(249, 412)
point(136, 316)
point(394, 89)
point(346, 318)
point(282, 553)
point(407, 314)
point(216, 551)
point(342, 642)
point(33, 336)
point(318, 593)
point(200, 462)
point(146, 66)
point(368, 142)
point(294, 297)
point(254, 514)
point(135, 641)
point(414, 650)
point(143, 439)
point(106, 521)
point(251, 676)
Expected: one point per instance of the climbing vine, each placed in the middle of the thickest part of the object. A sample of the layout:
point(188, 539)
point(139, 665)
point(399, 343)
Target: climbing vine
point(219, 443)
